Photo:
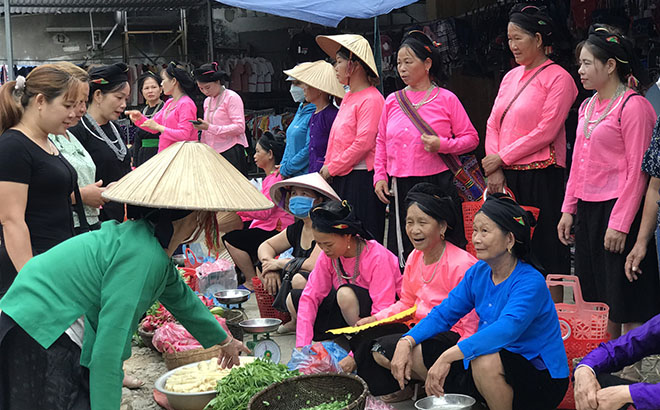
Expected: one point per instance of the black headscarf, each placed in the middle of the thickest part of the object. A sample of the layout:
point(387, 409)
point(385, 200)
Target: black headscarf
point(161, 219)
point(208, 73)
point(423, 47)
point(146, 76)
point(183, 77)
point(107, 78)
point(338, 218)
point(275, 143)
point(434, 202)
point(510, 217)
point(619, 48)
point(533, 19)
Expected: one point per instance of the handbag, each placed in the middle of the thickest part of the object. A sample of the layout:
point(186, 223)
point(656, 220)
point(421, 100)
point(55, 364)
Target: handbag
point(468, 178)
point(291, 268)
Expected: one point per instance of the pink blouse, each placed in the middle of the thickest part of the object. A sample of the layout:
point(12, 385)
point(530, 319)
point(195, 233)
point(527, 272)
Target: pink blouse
point(535, 121)
point(353, 133)
point(379, 273)
point(399, 148)
point(176, 120)
point(271, 219)
point(608, 165)
point(226, 119)
point(443, 276)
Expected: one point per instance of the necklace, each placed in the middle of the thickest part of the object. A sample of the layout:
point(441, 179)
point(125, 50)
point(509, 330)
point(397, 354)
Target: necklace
point(156, 109)
point(339, 268)
point(117, 146)
point(220, 98)
point(426, 99)
point(618, 96)
point(435, 268)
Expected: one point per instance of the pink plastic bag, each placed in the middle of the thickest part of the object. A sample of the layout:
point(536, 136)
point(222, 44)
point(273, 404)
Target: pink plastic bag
point(173, 337)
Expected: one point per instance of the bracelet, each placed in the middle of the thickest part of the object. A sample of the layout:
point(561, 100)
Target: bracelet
point(227, 342)
point(407, 339)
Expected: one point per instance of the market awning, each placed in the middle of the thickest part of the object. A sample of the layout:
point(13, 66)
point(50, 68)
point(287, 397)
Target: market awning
point(96, 6)
point(325, 12)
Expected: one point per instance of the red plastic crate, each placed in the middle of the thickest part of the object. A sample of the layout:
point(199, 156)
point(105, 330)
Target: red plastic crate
point(265, 303)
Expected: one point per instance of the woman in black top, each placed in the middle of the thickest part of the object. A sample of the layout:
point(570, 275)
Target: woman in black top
point(145, 144)
point(108, 92)
point(36, 182)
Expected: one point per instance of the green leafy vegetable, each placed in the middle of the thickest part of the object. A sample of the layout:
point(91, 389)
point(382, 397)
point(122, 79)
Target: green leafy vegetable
point(335, 405)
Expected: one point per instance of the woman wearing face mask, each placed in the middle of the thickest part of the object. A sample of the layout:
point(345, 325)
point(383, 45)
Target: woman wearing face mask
point(525, 135)
point(319, 84)
point(113, 282)
point(606, 185)
point(297, 195)
point(349, 160)
point(243, 244)
point(36, 181)
point(403, 153)
point(173, 122)
point(145, 145)
point(223, 126)
point(354, 276)
point(296, 155)
point(100, 136)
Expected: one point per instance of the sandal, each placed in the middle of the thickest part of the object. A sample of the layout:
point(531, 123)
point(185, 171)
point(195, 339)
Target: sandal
point(401, 395)
point(132, 382)
point(285, 330)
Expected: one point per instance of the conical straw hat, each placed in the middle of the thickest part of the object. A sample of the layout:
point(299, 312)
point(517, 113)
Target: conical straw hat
point(353, 42)
point(313, 181)
point(188, 175)
point(320, 75)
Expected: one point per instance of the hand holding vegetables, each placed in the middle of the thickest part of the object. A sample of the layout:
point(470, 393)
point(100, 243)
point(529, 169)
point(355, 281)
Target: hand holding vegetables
point(229, 351)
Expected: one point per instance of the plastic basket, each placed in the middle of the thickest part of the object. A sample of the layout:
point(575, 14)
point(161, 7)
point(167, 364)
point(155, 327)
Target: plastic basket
point(583, 327)
point(265, 303)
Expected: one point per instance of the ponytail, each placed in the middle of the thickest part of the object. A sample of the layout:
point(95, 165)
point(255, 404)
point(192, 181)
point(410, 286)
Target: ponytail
point(11, 111)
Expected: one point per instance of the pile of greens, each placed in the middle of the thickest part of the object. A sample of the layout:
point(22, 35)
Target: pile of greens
point(335, 405)
point(237, 388)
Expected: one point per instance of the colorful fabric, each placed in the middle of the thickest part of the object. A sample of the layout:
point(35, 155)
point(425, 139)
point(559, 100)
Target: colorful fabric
point(296, 154)
point(226, 118)
point(271, 219)
point(175, 117)
point(319, 131)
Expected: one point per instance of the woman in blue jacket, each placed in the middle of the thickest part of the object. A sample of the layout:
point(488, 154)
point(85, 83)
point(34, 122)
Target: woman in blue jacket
point(296, 154)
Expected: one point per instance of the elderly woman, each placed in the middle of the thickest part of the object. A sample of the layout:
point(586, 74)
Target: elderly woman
point(145, 144)
point(223, 125)
point(525, 135)
point(606, 185)
point(243, 244)
point(434, 268)
point(405, 154)
point(516, 359)
point(354, 276)
point(349, 160)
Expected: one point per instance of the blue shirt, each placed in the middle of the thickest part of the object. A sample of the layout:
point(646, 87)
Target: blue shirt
point(517, 315)
point(296, 154)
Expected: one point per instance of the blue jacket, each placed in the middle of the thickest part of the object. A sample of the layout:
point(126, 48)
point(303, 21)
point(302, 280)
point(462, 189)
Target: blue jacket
point(296, 154)
point(517, 315)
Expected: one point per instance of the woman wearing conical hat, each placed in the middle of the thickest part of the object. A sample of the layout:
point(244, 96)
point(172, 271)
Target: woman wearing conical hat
point(112, 276)
point(349, 160)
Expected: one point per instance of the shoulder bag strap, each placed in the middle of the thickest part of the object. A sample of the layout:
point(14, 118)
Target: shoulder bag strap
point(452, 162)
point(515, 97)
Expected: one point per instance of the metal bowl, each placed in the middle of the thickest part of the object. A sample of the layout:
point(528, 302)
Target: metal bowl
point(261, 325)
point(446, 402)
point(232, 296)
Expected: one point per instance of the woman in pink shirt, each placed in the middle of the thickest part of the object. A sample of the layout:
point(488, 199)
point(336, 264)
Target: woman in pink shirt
point(243, 244)
point(223, 126)
point(406, 155)
point(349, 159)
point(173, 122)
point(525, 135)
point(606, 184)
point(354, 276)
point(433, 269)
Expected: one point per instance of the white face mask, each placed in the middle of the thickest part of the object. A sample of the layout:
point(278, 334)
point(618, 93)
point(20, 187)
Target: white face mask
point(297, 93)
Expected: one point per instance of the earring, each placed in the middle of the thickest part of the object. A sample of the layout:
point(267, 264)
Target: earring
point(509, 250)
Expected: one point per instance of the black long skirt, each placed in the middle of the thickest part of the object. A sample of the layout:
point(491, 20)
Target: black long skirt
point(543, 189)
point(237, 156)
point(601, 272)
point(358, 189)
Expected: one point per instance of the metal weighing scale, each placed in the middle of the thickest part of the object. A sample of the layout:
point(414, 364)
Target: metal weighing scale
point(265, 347)
point(232, 297)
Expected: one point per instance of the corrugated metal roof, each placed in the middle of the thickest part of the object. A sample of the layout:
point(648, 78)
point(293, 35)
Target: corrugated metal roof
point(83, 6)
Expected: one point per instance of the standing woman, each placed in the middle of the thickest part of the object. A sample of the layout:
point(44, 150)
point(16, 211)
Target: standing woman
point(349, 161)
point(36, 181)
point(606, 184)
point(145, 145)
point(525, 135)
point(405, 154)
point(223, 126)
point(173, 122)
point(319, 84)
point(101, 138)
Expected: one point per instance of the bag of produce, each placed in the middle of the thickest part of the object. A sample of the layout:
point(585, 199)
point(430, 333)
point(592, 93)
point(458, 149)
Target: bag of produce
point(320, 357)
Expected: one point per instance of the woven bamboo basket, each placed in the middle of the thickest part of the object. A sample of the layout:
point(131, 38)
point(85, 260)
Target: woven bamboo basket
point(311, 390)
point(177, 359)
point(147, 338)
